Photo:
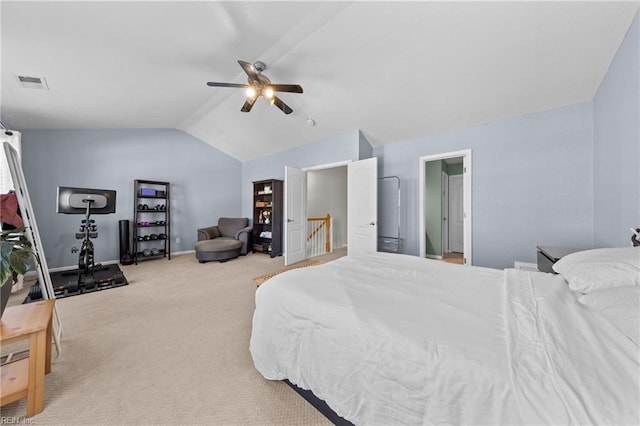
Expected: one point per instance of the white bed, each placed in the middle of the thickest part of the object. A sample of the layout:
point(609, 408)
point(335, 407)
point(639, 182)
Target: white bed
point(390, 339)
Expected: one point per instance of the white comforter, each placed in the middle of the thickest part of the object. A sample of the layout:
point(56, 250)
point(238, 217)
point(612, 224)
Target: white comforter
point(391, 339)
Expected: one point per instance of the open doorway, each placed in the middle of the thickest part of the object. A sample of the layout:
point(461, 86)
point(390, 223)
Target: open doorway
point(358, 217)
point(327, 195)
point(445, 207)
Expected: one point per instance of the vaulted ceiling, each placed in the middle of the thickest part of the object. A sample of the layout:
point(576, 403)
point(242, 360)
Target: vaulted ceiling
point(394, 70)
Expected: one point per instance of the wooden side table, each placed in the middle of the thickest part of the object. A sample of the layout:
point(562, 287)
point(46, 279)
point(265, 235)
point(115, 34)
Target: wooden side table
point(25, 377)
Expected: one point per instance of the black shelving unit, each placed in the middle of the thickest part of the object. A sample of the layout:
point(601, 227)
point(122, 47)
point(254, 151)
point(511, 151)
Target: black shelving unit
point(151, 220)
point(267, 217)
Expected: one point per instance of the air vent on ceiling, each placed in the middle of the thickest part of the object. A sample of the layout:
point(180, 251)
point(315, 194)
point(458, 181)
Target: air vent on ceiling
point(32, 82)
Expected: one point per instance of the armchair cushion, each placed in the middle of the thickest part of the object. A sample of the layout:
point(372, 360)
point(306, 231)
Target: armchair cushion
point(208, 233)
point(229, 227)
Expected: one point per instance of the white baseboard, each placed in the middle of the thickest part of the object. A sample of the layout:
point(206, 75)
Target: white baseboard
point(177, 253)
point(434, 256)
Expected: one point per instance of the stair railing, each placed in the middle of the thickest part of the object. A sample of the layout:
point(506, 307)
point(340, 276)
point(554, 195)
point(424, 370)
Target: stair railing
point(319, 239)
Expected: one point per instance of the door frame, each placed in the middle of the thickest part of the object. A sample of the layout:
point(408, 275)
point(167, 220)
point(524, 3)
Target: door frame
point(304, 200)
point(327, 166)
point(467, 206)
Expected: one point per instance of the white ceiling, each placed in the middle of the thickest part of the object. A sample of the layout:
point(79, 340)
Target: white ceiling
point(394, 70)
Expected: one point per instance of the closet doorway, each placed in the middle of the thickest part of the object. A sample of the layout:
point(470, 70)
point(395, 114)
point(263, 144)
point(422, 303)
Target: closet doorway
point(445, 206)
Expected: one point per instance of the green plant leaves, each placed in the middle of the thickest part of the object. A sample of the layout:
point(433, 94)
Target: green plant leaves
point(15, 254)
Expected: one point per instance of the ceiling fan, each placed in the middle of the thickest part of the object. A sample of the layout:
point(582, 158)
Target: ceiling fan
point(259, 85)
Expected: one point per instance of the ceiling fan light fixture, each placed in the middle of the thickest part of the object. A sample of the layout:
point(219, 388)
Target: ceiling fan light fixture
point(259, 85)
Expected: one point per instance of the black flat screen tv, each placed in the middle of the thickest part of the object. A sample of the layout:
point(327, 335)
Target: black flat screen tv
point(75, 200)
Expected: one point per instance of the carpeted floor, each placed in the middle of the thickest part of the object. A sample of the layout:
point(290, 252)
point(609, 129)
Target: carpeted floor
point(172, 347)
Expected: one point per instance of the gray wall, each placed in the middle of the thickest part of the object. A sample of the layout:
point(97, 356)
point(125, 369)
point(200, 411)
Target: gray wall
point(388, 213)
point(616, 150)
point(365, 150)
point(532, 183)
point(205, 183)
point(327, 194)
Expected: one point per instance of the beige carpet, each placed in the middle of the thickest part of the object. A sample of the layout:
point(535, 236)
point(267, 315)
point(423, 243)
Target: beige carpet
point(172, 347)
point(262, 278)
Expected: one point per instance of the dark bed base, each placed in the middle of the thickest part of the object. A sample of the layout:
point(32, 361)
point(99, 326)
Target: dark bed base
point(320, 405)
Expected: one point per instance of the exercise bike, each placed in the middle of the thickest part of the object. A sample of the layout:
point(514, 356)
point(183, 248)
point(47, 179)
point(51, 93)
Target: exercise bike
point(86, 280)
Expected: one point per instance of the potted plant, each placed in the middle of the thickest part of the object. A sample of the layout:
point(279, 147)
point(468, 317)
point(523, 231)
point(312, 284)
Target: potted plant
point(15, 259)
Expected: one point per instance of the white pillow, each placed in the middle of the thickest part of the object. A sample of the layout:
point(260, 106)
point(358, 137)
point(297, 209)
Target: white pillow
point(620, 305)
point(597, 269)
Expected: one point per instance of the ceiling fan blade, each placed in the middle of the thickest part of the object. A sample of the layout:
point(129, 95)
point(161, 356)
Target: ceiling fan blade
point(284, 107)
point(250, 70)
point(291, 88)
point(214, 84)
point(248, 104)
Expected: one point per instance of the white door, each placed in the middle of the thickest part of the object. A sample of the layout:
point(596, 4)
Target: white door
point(456, 215)
point(362, 206)
point(295, 216)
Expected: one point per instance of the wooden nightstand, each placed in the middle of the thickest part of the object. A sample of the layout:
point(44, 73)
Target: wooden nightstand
point(25, 377)
point(548, 255)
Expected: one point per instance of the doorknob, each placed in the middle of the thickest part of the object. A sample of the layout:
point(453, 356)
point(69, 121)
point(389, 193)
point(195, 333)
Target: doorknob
point(372, 224)
point(289, 220)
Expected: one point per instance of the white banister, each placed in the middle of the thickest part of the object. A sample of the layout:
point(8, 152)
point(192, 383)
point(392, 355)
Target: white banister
point(319, 235)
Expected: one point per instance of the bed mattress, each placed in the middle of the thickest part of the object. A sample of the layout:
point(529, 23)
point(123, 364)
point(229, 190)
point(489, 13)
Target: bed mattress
point(397, 339)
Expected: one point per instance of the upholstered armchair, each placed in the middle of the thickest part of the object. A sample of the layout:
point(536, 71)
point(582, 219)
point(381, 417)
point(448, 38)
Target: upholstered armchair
point(226, 236)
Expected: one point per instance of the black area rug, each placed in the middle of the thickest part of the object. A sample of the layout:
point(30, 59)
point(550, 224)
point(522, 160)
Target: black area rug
point(105, 277)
